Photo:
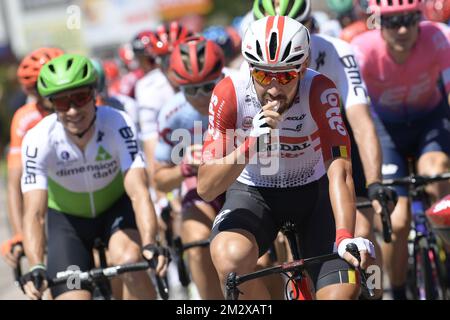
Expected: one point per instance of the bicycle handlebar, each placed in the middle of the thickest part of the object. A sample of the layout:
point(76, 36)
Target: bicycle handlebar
point(97, 274)
point(416, 180)
point(233, 280)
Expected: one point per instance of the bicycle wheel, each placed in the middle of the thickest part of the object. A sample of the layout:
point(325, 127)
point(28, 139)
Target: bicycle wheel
point(438, 278)
point(427, 275)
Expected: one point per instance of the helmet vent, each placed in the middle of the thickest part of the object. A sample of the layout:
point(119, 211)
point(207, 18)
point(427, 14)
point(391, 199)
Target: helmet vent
point(69, 64)
point(251, 57)
point(258, 51)
point(273, 46)
point(296, 58)
point(85, 70)
point(52, 68)
point(201, 54)
point(43, 83)
point(287, 51)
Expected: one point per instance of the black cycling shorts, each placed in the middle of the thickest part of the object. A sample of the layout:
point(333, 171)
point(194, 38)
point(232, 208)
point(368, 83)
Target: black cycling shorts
point(70, 239)
point(263, 211)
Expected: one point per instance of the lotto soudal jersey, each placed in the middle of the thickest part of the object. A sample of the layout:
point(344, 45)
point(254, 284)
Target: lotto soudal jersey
point(311, 131)
point(86, 182)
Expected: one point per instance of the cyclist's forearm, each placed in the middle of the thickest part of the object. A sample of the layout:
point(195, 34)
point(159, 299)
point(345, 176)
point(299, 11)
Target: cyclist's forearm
point(168, 178)
point(148, 147)
point(15, 200)
point(342, 194)
point(136, 187)
point(145, 217)
point(216, 178)
point(35, 206)
point(367, 141)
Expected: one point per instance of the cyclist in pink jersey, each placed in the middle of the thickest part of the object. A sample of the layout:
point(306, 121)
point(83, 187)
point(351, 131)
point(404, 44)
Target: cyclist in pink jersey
point(402, 64)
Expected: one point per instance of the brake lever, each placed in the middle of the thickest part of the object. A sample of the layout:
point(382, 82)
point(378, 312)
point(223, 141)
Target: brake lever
point(353, 250)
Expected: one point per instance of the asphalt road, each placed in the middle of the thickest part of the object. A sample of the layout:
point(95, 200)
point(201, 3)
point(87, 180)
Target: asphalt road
point(8, 290)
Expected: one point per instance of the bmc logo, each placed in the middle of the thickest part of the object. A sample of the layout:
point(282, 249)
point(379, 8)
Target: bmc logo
point(330, 97)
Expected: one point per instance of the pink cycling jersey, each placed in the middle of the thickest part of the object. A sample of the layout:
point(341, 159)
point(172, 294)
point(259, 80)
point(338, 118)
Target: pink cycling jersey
point(400, 92)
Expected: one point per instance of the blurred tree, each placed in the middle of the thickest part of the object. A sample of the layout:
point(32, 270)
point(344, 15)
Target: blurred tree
point(225, 11)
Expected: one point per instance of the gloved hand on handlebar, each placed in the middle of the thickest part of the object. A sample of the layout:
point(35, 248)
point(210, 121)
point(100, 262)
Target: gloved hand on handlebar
point(34, 283)
point(158, 256)
point(365, 247)
point(378, 192)
point(12, 250)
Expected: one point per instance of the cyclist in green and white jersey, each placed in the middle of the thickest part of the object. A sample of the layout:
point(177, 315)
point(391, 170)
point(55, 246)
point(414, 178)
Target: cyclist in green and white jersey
point(84, 173)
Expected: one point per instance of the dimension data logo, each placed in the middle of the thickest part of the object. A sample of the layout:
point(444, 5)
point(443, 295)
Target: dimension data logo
point(102, 155)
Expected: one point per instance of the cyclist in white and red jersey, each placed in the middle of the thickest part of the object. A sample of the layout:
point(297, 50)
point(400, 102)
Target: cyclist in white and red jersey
point(196, 65)
point(308, 162)
point(401, 64)
point(335, 59)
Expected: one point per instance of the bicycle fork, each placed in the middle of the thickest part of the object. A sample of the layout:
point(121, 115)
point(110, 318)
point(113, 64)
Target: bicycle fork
point(300, 286)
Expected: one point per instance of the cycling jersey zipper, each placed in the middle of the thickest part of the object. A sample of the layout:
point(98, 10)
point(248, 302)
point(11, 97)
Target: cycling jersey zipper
point(87, 181)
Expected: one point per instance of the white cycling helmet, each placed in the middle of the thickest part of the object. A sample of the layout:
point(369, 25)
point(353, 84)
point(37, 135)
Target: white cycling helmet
point(276, 41)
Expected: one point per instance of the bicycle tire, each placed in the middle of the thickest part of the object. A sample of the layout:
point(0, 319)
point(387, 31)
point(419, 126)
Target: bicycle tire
point(437, 274)
point(425, 284)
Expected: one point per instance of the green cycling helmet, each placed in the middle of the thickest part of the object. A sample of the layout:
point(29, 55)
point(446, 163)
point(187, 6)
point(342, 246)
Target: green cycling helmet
point(340, 6)
point(299, 10)
point(66, 72)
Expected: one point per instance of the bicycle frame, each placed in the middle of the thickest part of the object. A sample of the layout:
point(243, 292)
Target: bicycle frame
point(300, 284)
point(423, 245)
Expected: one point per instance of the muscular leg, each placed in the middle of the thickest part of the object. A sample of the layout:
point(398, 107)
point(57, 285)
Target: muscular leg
point(236, 250)
point(274, 283)
point(395, 254)
point(432, 163)
point(197, 222)
point(124, 247)
point(344, 291)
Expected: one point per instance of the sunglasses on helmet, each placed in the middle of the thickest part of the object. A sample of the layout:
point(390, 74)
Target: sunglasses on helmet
point(397, 21)
point(77, 100)
point(265, 77)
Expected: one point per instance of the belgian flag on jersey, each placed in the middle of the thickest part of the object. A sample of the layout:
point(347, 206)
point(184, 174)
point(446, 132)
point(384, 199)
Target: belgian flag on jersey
point(339, 152)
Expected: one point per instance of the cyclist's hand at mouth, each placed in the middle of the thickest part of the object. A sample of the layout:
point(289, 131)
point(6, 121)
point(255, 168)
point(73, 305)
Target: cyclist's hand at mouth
point(268, 118)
